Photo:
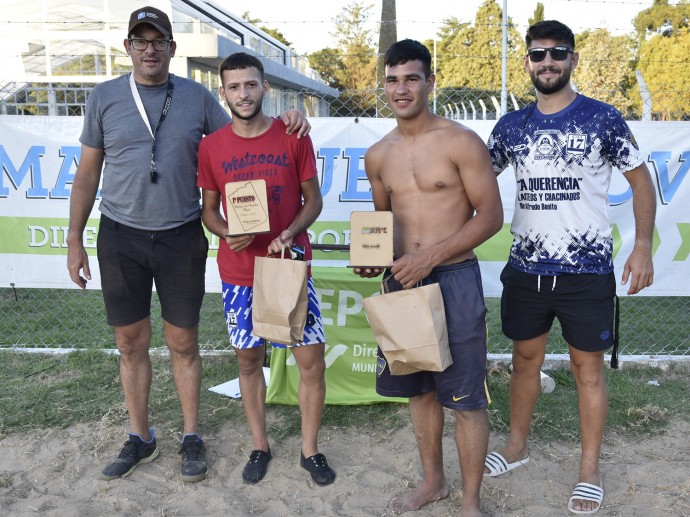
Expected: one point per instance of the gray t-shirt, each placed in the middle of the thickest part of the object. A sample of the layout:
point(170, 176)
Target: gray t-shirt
point(113, 123)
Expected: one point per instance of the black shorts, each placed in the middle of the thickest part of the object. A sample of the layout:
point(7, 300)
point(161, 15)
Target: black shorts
point(583, 304)
point(131, 260)
point(463, 384)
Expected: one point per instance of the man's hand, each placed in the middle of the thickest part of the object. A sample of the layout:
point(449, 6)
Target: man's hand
point(78, 260)
point(296, 121)
point(240, 242)
point(367, 272)
point(284, 240)
point(640, 264)
point(412, 268)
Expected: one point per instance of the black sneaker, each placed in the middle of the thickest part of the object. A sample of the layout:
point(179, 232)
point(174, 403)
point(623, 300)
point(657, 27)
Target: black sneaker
point(133, 452)
point(318, 467)
point(193, 451)
point(255, 469)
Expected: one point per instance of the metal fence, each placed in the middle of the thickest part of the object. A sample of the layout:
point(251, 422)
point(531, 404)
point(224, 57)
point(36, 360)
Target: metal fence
point(67, 318)
point(64, 318)
point(455, 103)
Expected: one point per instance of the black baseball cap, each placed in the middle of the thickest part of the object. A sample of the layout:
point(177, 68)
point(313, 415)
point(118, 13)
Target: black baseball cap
point(152, 16)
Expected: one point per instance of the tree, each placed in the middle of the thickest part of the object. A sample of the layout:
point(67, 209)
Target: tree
point(469, 55)
point(538, 15)
point(604, 70)
point(663, 32)
point(662, 18)
point(329, 65)
point(355, 42)
point(352, 64)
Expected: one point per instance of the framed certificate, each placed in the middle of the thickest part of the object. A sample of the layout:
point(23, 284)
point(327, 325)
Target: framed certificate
point(371, 239)
point(246, 207)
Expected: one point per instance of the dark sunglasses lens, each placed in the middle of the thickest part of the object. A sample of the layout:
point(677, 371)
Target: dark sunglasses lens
point(536, 55)
point(559, 54)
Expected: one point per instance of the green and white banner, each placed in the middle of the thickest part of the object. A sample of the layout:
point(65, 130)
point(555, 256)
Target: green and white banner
point(39, 156)
point(351, 348)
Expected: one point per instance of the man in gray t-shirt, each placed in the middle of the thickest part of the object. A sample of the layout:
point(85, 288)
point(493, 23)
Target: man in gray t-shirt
point(141, 134)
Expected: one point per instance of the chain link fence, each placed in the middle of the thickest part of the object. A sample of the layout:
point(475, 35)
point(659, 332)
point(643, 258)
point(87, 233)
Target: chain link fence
point(455, 103)
point(66, 318)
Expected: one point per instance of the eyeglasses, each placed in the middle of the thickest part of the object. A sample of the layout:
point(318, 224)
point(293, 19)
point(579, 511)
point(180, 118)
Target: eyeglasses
point(142, 44)
point(560, 53)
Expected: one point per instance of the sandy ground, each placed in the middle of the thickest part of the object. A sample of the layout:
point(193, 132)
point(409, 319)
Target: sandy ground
point(55, 473)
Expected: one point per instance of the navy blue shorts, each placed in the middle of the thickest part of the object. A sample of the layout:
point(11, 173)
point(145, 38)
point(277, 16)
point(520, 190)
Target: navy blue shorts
point(131, 260)
point(463, 384)
point(583, 304)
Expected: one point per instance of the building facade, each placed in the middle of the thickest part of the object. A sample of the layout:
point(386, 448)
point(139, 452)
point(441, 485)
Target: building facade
point(53, 52)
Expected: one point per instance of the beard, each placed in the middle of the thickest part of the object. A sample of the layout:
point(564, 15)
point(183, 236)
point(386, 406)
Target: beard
point(257, 110)
point(548, 88)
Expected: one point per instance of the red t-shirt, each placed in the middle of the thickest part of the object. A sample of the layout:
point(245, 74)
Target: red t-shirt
point(283, 161)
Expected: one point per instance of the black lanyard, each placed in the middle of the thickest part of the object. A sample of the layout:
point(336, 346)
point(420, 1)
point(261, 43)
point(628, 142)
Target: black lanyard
point(168, 100)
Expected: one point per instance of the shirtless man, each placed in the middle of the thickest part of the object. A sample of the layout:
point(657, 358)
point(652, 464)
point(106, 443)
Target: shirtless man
point(436, 177)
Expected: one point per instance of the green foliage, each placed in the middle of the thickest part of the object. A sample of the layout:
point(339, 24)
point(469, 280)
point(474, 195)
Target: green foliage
point(329, 64)
point(352, 64)
point(663, 19)
point(604, 70)
point(355, 42)
point(664, 66)
point(538, 15)
point(469, 55)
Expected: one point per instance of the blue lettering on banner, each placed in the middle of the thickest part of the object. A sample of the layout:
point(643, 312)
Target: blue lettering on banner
point(70, 156)
point(668, 187)
point(355, 174)
point(32, 163)
point(31, 171)
point(328, 156)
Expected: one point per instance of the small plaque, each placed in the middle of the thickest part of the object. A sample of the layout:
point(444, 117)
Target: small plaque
point(247, 207)
point(371, 239)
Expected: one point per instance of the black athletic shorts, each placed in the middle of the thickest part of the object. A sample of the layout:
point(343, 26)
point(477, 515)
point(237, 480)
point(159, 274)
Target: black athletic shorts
point(462, 385)
point(131, 260)
point(583, 304)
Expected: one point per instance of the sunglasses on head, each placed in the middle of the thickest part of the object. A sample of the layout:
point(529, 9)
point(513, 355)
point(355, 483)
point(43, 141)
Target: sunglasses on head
point(559, 53)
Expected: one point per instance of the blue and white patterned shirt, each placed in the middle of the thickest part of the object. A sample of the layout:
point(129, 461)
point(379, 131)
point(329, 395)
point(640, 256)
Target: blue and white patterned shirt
point(563, 164)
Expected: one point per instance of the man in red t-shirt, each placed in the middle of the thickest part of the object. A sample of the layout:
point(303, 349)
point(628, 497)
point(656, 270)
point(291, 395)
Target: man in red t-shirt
point(255, 146)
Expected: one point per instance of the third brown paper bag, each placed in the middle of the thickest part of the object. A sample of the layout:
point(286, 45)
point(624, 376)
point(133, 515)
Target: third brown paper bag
point(410, 329)
point(280, 303)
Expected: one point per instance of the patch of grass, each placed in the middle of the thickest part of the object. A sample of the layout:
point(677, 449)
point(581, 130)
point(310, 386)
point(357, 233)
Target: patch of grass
point(635, 407)
point(43, 391)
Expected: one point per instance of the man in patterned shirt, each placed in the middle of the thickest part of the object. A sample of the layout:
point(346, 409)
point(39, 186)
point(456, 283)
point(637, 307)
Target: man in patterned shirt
point(563, 149)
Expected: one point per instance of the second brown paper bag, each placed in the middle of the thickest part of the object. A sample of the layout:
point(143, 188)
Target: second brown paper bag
point(410, 329)
point(280, 303)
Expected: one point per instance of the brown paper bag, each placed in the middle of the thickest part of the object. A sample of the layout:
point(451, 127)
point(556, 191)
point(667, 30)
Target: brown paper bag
point(410, 329)
point(280, 303)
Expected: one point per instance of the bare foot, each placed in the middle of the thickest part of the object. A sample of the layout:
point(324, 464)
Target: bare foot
point(420, 496)
point(470, 512)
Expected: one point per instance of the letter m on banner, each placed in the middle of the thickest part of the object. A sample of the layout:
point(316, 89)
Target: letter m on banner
point(32, 162)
